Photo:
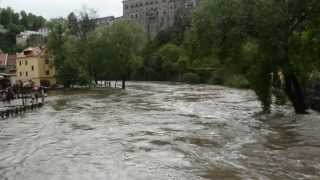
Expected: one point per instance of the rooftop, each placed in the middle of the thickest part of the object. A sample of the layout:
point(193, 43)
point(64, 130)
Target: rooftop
point(30, 52)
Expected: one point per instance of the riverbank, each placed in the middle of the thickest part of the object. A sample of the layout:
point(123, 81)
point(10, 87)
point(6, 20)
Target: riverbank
point(312, 96)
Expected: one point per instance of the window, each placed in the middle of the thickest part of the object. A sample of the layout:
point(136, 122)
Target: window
point(20, 72)
point(46, 61)
point(32, 68)
point(26, 62)
point(47, 73)
point(27, 74)
point(20, 63)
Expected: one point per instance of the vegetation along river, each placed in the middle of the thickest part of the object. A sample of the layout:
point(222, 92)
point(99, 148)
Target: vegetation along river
point(159, 131)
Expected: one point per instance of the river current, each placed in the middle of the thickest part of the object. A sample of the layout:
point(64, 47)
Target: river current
point(159, 131)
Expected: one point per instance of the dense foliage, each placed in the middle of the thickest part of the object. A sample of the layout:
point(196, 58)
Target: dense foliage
point(12, 23)
point(274, 44)
point(85, 54)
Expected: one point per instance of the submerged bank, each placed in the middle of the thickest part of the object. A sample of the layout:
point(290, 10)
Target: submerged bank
point(159, 131)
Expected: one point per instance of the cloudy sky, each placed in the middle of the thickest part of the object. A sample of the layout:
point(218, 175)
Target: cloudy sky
point(61, 8)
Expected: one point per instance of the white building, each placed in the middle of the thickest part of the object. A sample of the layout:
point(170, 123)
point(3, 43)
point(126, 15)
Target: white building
point(23, 37)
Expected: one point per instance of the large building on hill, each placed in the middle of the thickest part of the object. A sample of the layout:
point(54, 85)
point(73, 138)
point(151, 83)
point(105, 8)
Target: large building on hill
point(157, 15)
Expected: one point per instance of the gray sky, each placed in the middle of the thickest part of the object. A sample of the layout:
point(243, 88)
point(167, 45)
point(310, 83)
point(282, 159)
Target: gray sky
point(61, 8)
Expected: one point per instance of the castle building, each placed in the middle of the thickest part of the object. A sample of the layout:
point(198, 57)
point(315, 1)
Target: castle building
point(157, 15)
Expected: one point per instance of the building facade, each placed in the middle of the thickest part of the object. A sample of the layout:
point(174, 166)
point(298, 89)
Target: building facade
point(32, 38)
point(8, 66)
point(3, 61)
point(104, 21)
point(34, 65)
point(157, 15)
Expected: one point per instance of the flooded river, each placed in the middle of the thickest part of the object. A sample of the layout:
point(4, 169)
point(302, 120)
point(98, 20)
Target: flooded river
point(159, 131)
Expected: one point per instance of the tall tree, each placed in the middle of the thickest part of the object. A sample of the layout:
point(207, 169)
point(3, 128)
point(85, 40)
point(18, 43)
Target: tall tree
point(125, 41)
point(73, 24)
point(271, 25)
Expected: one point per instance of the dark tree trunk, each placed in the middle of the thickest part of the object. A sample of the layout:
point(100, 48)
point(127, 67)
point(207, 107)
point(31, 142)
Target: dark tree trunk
point(295, 94)
point(123, 83)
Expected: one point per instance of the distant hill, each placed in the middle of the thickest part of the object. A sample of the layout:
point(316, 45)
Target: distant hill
point(12, 23)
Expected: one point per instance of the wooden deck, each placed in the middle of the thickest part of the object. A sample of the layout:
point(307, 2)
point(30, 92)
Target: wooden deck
point(15, 110)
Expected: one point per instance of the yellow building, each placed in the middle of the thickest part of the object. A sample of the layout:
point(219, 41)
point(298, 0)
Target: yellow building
point(34, 64)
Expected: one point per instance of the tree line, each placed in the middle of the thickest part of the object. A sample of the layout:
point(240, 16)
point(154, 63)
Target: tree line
point(85, 54)
point(12, 23)
point(269, 46)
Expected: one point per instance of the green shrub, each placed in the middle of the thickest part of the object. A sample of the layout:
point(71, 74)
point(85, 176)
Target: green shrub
point(216, 78)
point(236, 81)
point(192, 78)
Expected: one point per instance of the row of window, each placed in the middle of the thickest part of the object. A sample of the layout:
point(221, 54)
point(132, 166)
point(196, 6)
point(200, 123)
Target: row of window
point(26, 62)
point(146, 4)
point(149, 13)
point(27, 73)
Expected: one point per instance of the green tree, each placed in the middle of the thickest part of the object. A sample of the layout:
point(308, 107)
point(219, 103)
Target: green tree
point(73, 25)
point(126, 40)
point(71, 46)
point(225, 27)
point(169, 56)
point(14, 23)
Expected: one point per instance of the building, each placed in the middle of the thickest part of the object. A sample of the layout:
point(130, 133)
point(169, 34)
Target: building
point(3, 61)
point(7, 63)
point(104, 21)
point(32, 38)
point(11, 68)
point(8, 66)
point(35, 65)
point(157, 15)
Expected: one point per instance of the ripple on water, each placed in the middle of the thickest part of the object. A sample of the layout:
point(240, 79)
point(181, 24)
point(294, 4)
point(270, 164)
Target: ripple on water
point(159, 131)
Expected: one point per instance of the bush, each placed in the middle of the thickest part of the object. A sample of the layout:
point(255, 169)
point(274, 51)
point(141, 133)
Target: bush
point(192, 78)
point(236, 81)
point(216, 77)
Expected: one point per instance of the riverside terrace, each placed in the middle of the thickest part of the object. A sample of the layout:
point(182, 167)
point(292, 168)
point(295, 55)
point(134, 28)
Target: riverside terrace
point(14, 103)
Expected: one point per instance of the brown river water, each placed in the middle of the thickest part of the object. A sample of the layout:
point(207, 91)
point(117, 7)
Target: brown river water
point(159, 131)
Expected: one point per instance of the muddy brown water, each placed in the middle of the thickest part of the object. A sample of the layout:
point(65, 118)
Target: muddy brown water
point(159, 131)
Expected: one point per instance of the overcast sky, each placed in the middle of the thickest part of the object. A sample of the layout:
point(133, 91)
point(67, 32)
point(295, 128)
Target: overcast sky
point(61, 8)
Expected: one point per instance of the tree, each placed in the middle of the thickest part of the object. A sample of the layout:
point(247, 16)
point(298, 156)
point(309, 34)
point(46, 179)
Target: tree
point(56, 41)
point(274, 27)
point(169, 56)
point(73, 25)
point(124, 41)
point(14, 23)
